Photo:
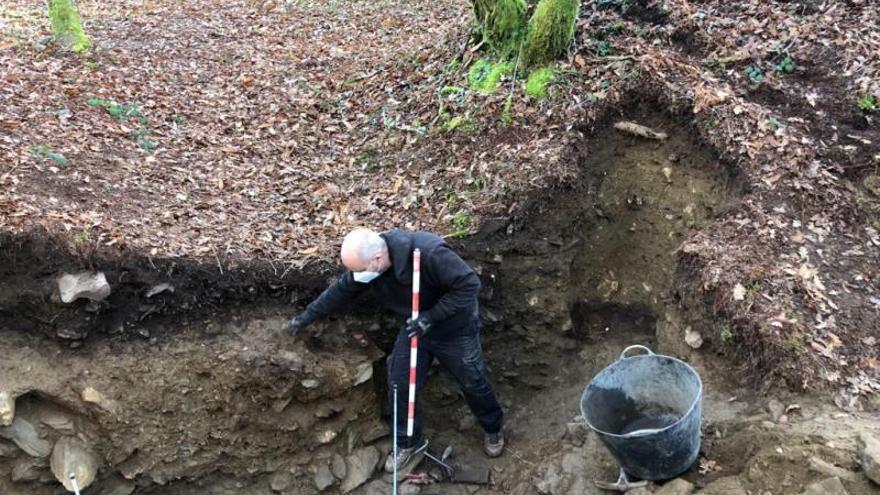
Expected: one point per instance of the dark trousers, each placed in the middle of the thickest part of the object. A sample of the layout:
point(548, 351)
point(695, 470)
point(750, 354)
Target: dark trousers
point(462, 357)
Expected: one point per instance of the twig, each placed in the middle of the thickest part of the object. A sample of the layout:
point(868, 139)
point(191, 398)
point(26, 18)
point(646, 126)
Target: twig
point(515, 66)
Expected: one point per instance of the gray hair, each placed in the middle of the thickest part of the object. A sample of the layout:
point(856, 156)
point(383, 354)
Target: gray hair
point(365, 242)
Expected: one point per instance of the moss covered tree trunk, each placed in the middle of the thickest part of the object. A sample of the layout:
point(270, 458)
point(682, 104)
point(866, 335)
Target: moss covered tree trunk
point(67, 25)
point(502, 26)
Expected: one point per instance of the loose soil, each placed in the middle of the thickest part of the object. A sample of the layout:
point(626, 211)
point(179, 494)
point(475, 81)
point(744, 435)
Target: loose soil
point(211, 401)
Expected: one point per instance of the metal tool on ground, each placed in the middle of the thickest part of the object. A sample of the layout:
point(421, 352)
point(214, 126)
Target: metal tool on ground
point(458, 473)
point(394, 439)
point(646, 410)
point(413, 343)
point(74, 484)
point(623, 484)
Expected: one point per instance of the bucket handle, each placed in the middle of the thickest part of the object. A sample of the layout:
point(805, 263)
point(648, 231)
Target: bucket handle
point(624, 356)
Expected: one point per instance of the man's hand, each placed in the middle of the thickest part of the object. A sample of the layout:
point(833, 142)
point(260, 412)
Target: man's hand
point(295, 324)
point(418, 327)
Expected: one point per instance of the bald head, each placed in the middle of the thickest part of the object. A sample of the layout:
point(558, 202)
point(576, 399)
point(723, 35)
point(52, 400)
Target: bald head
point(364, 250)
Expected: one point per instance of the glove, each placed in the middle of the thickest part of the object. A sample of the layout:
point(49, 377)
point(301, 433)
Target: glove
point(295, 324)
point(418, 327)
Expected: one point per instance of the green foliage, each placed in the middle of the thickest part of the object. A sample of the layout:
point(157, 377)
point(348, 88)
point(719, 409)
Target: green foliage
point(123, 112)
point(67, 25)
point(462, 223)
point(755, 74)
point(502, 24)
point(536, 84)
point(867, 103)
point(485, 77)
point(42, 153)
point(786, 65)
point(119, 112)
point(551, 29)
point(604, 48)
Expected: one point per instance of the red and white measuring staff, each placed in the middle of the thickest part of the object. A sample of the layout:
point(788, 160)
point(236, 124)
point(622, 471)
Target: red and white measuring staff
point(413, 344)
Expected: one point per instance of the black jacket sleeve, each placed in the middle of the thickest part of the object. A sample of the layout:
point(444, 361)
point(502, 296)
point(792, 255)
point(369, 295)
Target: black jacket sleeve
point(334, 297)
point(459, 283)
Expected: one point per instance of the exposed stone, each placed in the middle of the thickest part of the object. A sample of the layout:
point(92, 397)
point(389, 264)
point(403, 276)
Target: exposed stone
point(693, 338)
point(869, 456)
point(677, 486)
point(327, 436)
point(92, 396)
point(310, 383)
point(377, 430)
point(828, 469)
point(158, 289)
point(831, 486)
point(89, 285)
point(57, 420)
point(117, 486)
point(337, 466)
point(360, 466)
point(730, 485)
point(7, 408)
point(28, 469)
point(72, 333)
point(549, 483)
point(378, 487)
point(363, 373)
point(23, 434)
point(323, 477)
point(327, 410)
point(72, 455)
point(776, 409)
point(8, 450)
point(280, 481)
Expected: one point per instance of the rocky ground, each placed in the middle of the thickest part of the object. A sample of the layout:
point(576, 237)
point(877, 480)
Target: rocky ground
point(169, 198)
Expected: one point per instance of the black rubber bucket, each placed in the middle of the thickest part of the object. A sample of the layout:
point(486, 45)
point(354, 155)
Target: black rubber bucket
point(646, 409)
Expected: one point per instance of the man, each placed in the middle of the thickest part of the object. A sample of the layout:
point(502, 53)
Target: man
point(448, 324)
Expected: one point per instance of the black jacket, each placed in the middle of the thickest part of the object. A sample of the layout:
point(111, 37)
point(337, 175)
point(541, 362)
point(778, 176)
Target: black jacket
point(449, 287)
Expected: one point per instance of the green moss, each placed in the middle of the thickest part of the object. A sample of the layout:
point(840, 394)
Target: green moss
point(550, 30)
point(536, 84)
point(507, 112)
point(67, 25)
point(501, 24)
point(485, 77)
point(464, 125)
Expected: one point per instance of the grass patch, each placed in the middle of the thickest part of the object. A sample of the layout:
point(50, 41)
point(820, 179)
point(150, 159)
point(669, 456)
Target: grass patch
point(537, 82)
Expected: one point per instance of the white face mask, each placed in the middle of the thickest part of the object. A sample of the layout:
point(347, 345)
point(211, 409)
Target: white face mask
point(365, 277)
